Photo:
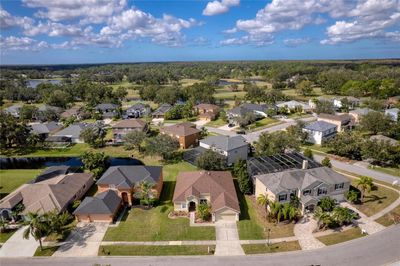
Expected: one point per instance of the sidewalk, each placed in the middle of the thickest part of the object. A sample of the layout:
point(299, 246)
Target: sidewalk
point(17, 246)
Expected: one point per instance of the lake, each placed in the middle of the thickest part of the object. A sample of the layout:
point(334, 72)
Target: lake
point(33, 83)
point(222, 82)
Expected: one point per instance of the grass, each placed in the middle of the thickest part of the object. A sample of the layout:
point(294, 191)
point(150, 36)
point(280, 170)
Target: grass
point(251, 224)
point(46, 252)
point(11, 179)
point(376, 200)
point(54, 237)
point(386, 170)
point(263, 123)
point(154, 250)
point(315, 147)
point(226, 94)
point(4, 236)
point(344, 236)
point(277, 247)
point(388, 218)
point(216, 123)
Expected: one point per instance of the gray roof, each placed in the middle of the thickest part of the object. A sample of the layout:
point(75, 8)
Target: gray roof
point(255, 107)
point(240, 111)
point(106, 202)
point(106, 106)
point(392, 110)
point(138, 106)
point(319, 126)
point(73, 130)
point(54, 171)
point(300, 179)
point(45, 108)
point(361, 111)
point(163, 109)
point(293, 104)
point(384, 139)
point(225, 143)
point(14, 109)
point(45, 128)
point(127, 176)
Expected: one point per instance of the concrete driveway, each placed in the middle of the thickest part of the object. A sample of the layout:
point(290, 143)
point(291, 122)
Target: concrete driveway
point(17, 246)
point(227, 239)
point(84, 241)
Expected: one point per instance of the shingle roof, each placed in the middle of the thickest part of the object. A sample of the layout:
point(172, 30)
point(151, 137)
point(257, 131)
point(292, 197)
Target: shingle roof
point(342, 117)
point(130, 123)
point(163, 109)
point(293, 104)
point(255, 107)
point(127, 176)
point(73, 130)
point(54, 171)
point(225, 143)
point(207, 106)
point(385, 139)
point(320, 126)
point(218, 184)
point(240, 111)
point(361, 111)
point(45, 128)
point(106, 202)
point(106, 106)
point(181, 129)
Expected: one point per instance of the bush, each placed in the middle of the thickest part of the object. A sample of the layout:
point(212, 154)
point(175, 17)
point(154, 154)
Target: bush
point(204, 211)
point(326, 162)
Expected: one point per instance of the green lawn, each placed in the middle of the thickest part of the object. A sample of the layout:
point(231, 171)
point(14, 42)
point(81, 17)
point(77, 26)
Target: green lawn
point(251, 224)
point(263, 123)
point(344, 236)
point(389, 218)
point(387, 170)
point(226, 94)
point(376, 200)
point(46, 252)
point(11, 179)
point(315, 147)
point(277, 247)
point(4, 236)
point(155, 250)
point(216, 123)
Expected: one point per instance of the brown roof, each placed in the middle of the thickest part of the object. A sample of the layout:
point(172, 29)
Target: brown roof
point(208, 115)
point(70, 112)
point(218, 184)
point(182, 129)
point(342, 117)
point(130, 123)
point(207, 106)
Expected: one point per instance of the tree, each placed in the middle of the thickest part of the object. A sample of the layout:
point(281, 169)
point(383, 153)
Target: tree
point(95, 162)
point(275, 142)
point(211, 161)
point(346, 144)
point(59, 222)
point(343, 215)
point(204, 211)
point(13, 132)
point(58, 98)
point(245, 120)
point(365, 184)
point(263, 200)
point(254, 93)
point(144, 191)
point(352, 196)
point(276, 211)
point(289, 212)
point(376, 122)
point(94, 136)
point(326, 162)
point(308, 153)
point(304, 88)
point(327, 204)
point(324, 107)
point(38, 227)
point(296, 131)
point(323, 218)
point(28, 112)
point(240, 172)
point(134, 140)
point(121, 93)
point(162, 145)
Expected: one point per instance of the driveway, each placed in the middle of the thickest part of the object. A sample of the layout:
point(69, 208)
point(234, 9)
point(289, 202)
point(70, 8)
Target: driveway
point(227, 239)
point(84, 241)
point(303, 231)
point(17, 246)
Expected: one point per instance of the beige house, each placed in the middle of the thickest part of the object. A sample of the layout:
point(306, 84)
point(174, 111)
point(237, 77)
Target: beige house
point(215, 188)
point(343, 121)
point(357, 114)
point(309, 185)
point(206, 111)
point(126, 126)
point(186, 133)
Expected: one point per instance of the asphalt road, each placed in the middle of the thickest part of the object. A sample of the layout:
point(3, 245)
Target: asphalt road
point(378, 249)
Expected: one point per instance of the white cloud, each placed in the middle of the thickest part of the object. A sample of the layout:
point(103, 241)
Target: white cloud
point(8, 21)
point(296, 42)
point(230, 31)
point(259, 40)
point(219, 7)
point(52, 29)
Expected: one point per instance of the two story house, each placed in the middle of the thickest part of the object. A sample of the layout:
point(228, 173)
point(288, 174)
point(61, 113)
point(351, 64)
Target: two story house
point(320, 131)
point(206, 111)
point(186, 133)
point(138, 110)
point(107, 110)
point(343, 121)
point(123, 127)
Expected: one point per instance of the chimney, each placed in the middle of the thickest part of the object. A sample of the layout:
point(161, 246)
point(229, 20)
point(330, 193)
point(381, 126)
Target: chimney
point(305, 165)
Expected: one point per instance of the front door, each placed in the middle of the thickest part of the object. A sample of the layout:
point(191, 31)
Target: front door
point(192, 206)
point(125, 199)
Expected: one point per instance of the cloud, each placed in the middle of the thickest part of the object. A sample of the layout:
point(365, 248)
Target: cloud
point(52, 29)
point(296, 42)
point(219, 7)
point(259, 40)
point(8, 21)
point(230, 31)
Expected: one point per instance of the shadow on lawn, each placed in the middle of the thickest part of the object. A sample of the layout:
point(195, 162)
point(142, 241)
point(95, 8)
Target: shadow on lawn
point(244, 209)
point(167, 192)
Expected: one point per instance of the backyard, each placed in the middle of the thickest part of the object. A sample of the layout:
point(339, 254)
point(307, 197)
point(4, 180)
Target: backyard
point(11, 179)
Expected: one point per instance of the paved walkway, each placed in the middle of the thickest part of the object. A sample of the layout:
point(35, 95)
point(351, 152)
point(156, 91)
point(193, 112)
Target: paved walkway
point(17, 246)
point(228, 243)
point(84, 241)
point(303, 231)
point(161, 243)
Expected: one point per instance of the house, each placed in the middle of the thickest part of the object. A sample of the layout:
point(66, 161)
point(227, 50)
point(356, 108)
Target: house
point(382, 138)
point(101, 208)
point(393, 113)
point(351, 101)
point(313, 102)
point(259, 110)
point(358, 113)
point(75, 112)
point(294, 105)
point(309, 185)
point(186, 133)
point(107, 110)
point(233, 148)
point(125, 178)
point(320, 131)
point(161, 110)
point(14, 110)
point(215, 188)
point(342, 121)
point(45, 110)
point(123, 127)
point(138, 110)
point(206, 111)
point(54, 192)
point(43, 130)
point(54, 171)
point(73, 132)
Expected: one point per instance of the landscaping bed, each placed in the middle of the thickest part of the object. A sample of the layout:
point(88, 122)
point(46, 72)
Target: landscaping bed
point(155, 250)
point(277, 247)
point(344, 236)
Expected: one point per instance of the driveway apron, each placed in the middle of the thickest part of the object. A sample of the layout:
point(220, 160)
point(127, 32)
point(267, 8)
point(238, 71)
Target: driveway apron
point(228, 243)
point(17, 246)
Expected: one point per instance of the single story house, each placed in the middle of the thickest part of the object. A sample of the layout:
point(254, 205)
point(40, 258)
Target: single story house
point(138, 110)
point(14, 110)
point(358, 113)
point(352, 102)
point(101, 208)
point(186, 133)
point(342, 121)
point(215, 188)
point(206, 111)
point(161, 110)
point(123, 127)
point(320, 131)
point(313, 102)
point(107, 110)
point(293, 105)
point(45, 110)
point(233, 148)
point(309, 185)
point(75, 112)
point(73, 132)
point(43, 130)
point(382, 138)
point(125, 178)
point(393, 113)
point(259, 110)
point(54, 193)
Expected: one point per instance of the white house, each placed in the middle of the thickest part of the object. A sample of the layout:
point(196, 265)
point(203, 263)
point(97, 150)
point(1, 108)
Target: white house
point(320, 131)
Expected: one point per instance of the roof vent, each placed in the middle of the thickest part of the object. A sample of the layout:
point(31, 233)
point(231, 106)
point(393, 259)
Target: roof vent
point(304, 165)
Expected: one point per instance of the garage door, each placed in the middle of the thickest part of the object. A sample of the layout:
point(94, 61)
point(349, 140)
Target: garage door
point(226, 217)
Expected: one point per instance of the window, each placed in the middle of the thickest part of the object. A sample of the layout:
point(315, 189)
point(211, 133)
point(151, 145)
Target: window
point(306, 192)
point(183, 206)
point(203, 201)
point(339, 186)
point(283, 197)
point(293, 193)
point(322, 191)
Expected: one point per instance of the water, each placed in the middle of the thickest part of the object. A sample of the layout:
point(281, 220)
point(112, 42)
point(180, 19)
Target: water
point(33, 83)
point(40, 162)
point(222, 82)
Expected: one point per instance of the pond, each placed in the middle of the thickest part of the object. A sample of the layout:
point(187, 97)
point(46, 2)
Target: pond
point(223, 82)
point(40, 162)
point(33, 83)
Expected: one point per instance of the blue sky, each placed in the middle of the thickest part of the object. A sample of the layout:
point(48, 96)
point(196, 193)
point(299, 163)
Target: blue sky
point(78, 31)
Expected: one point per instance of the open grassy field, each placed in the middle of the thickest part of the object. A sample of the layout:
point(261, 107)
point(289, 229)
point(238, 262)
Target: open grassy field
point(226, 94)
point(277, 247)
point(344, 236)
point(11, 179)
point(390, 217)
point(154, 250)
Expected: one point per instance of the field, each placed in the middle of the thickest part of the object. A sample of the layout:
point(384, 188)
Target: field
point(11, 179)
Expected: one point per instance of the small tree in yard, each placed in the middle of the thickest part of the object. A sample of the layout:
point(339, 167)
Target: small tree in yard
point(94, 136)
point(323, 218)
point(308, 153)
point(134, 140)
point(211, 161)
point(343, 215)
point(145, 192)
point(162, 145)
point(352, 196)
point(204, 211)
point(365, 184)
point(95, 162)
point(326, 162)
point(263, 200)
point(38, 227)
point(327, 204)
point(240, 172)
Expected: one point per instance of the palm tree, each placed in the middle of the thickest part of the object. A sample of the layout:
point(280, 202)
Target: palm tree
point(38, 227)
point(323, 218)
point(144, 191)
point(263, 200)
point(343, 215)
point(3, 224)
point(289, 211)
point(365, 184)
point(59, 222)
point(276, 210)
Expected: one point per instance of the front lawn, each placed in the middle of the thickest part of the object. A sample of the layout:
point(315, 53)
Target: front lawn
point(11, 179)
point(4, 236)
point(263, 123)
point(252, 223)
point(387, 170)
point(46, 252)
point(219, 122)
point(277, 247)
point(344, 236)
point(154, 250)
point(315, 147)
point(390, 217)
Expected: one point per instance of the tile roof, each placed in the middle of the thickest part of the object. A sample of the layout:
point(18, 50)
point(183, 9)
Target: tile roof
point(106, 202)
point(225, 143)
point(320, 126)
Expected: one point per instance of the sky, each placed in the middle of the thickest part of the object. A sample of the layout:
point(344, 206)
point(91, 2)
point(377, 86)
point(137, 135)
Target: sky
point(105, 31)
